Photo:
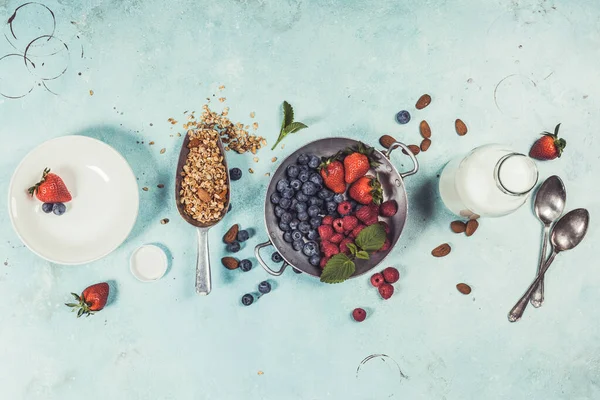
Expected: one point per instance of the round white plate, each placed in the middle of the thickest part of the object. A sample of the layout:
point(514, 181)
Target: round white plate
point(100, 216)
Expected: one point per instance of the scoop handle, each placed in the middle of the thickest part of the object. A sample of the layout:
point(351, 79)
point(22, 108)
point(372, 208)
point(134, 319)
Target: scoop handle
point(203, 263)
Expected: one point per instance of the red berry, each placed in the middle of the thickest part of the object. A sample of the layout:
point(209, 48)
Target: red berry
point(377, 279)
point(357, 230)
point(338, 225)
point(325, 232)
point(328, 220)
point(350, 222)
point(388, 208)
point(391, 275)
point(386, 290)
point(372, 221)
point(323, 262)
point(368, 213)
point(386, 245)
point(329, 249)
point(336, 238)
point(359, 314)
point(385, 226)
point(344, 208)
point(343, 248)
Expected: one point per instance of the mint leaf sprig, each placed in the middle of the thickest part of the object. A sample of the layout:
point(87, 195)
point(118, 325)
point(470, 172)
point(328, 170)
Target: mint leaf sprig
point(341, 266)
point(288, 125)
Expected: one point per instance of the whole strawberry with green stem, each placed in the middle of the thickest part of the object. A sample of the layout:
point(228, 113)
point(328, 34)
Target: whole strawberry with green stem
point(332, 172)
point(366, 190)
point(50, 189)
point(92, 299)
point(549, 146)
point(357, 162)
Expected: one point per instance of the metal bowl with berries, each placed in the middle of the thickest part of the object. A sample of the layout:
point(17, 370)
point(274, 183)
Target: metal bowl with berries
point(335, 201)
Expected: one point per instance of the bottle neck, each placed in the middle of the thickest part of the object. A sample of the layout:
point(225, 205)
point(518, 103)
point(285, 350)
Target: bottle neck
point(516, 174)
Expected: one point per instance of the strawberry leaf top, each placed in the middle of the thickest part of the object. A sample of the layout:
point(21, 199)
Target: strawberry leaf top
point(366, 150)
point(82, 307)
point(376, 191)
point(559, 143)
point(35, 187)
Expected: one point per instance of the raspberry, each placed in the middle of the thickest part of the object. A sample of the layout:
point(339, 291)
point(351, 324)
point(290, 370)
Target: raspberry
point(388, 208)
point(386, 245)
point(385, 226)
point(336, 238)
point(323, 262)
point(359, 314)
point(372, 221)
point(328, 220)
point(344, 208)
point(329, 249)
point(391, 275)
point(386, 290)
point(368, 213)
point(377, 279)
point(338, 225)
point(350, 222)
point(343, 248)
point(325, 232)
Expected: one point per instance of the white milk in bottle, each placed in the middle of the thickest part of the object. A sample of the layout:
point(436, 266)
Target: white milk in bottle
point(490, 181)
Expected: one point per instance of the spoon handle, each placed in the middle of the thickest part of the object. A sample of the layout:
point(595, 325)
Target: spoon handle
point(517, 311)
point(203, 263)
point(537, 298)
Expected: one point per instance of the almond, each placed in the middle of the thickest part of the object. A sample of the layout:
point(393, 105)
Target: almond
point(230, 262)
point(423, 102)
point(231, 234)
point(463, 288)
point(461, 128)
point(425, 129)
point(425, 144)
point(441, 251)
point(472, 226)
point(193, 143)
point(203, 195)
point(413, 148)
point(458, 226)
point(386, 141)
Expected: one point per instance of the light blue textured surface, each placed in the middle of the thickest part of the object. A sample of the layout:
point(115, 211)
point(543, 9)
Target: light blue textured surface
point(347, 67)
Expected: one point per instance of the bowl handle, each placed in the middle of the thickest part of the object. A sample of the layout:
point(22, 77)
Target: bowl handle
point(415, 169)
point(262, 263)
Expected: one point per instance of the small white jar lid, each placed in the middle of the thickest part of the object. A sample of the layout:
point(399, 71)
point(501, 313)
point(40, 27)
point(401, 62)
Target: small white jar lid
point(148, 263)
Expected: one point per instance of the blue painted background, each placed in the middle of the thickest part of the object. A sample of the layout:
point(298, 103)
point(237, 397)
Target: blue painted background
point(509, 69)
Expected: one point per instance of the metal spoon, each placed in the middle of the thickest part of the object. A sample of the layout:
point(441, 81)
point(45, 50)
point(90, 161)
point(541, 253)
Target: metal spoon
point(549, 205)
point(566, 234)
point(203, 281)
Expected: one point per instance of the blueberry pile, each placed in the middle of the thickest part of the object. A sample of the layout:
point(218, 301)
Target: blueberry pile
point(300, 202)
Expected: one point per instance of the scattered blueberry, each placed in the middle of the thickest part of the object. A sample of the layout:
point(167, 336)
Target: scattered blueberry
point(59, 208)
point(300, 206)
point(303, 176)
point(276, 257)
point(243, 235)
point(310, 249)
point(287, 236)
point(285, 203)
point(235, 174)
point(284, 227)
point(245, 265)
point(247, 299)
point(296, 235)
point(338, 198)
point(312, 234)
point(313, 211)
point(403, 117)
point(303, 216)
point(298, 244)
point(47, 207)
point(275, 198)
point(264, 287)
point(309, 188)
point(301, 197)
point(314, 162)
point(288, 193)
point(331, 207)
point(296, 184)
point(294, 224)
point(316, 179)
point(304, 227)
point(233, 247)
point(315, 222)
point(292, 171)
point(314, 260)
point(282, 184)
point(279, 211)
point(287, 217)
point(303, 159)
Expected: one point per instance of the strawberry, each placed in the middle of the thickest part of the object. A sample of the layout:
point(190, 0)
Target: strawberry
point(325, 232)
point(548, 147)
point(327, 220)
point(357, 162)
point(368, 214)
point(359, 314)
point(332, 172)
point(386, 290)
point(344, 208)
point(336, 238)
point(377, 279)
point(50, 189)
point(92, 299)
point(388, 208)
point(357, 230)
point(366, 190)
point(391, 275)
point(349, 222)
point(324, 262)
point(329, 249)
point(343, 248)
point(338, 225)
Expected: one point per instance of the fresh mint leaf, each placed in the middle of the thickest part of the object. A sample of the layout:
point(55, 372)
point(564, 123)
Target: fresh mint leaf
point(338, 269)
point(371, 238)
point(288, 114)
point(295, 127)
point(363, 255)
point(288, 125)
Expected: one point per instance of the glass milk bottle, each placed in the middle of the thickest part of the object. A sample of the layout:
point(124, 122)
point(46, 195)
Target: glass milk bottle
point(490, 181)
